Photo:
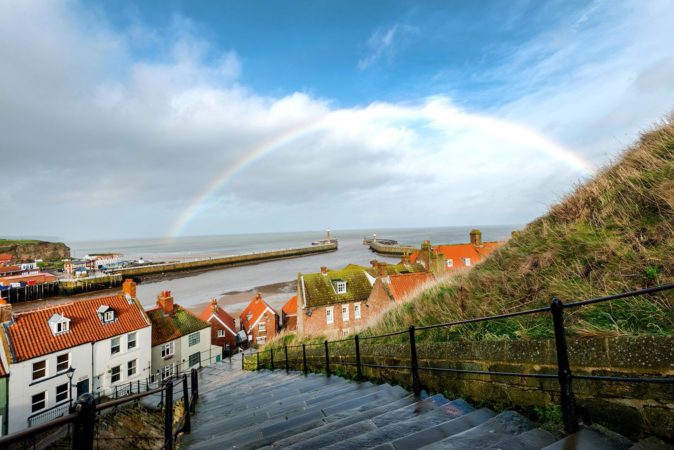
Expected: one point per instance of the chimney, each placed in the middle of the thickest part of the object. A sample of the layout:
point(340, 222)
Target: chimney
point(476, 237)
point(258, 296)
point(382, 269)
point(165, 302)
point(426, 244)
point(406, 259)
point(129, 287)
point(324, 270)
point(214, 305)
point(374, 263)
point(5, 311)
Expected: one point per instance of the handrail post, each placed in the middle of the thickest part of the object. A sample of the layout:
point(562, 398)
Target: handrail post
point(416, 382)
point(564, 370)
point(271, 352)
point(168, 415)
point(187, 427)
point(359, 372)
point(304, 358)
point(243, 360)
point(327, 360)
point(286, 353)
point(83, 432)
point(195, 387)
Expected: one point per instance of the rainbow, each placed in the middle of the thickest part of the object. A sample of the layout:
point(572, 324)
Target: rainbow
point(436, 111)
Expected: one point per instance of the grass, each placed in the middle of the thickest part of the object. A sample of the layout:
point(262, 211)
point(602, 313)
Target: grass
point(7, 242)
point(614, 233)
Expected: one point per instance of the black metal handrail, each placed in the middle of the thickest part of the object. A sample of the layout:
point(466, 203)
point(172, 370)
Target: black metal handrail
point(564, 374)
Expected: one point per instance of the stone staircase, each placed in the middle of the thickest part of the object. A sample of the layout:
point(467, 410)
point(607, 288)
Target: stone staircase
point(274, 410)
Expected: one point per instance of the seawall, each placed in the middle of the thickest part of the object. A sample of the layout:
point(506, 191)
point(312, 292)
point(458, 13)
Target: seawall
point(392, 250)
point(226, 261)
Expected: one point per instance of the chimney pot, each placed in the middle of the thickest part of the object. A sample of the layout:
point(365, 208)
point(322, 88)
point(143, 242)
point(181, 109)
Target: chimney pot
point(324, 270)
point(382, 269)
point(165, 302)
point(476, 237)
point(129, 287)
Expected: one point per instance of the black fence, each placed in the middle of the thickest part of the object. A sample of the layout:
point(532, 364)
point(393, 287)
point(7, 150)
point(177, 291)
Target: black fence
point(564, 374)
point(80, 426)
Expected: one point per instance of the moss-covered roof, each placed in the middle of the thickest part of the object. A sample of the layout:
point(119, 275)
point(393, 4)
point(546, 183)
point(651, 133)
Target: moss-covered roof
point(167, 327)
point(320, 289)
point(397, 269)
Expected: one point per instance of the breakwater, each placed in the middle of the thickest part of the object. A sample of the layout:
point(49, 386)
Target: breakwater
point(392, 250)
point(225, 261)
point(81, 285)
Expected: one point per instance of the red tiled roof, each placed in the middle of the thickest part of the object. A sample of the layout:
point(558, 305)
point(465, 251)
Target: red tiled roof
point(3, 372)
point(36, 277)
point(10, 269)
point(457, 252)
point(405, 284)
point(214, 310)
point(256, 309)
point(6, 257)
point(30, 335)
point(290, 308)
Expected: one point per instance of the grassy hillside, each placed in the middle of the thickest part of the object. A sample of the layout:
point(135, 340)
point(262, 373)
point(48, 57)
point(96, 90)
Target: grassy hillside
point(614, 233)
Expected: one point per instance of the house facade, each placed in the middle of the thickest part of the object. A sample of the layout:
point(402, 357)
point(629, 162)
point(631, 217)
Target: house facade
point(223, 326)
point(398, 287)
point(59, 352)
point(444, 259)
point(289, 314)
point(260, 321)
point(180, 340)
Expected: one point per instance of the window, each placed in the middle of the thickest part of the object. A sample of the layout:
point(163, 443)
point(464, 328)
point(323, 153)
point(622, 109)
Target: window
point(115, 346)
point(62, 392)
point(261, 340)
point(194, 339)
point(62, 326)
point(194, 359)
point(341, 287)
point(356, 310)
point(167, 372)
point(59, 324)
point(345, 313)
point(450, 262)
point(115, 374)
point(466, 261)
point(328, 315)
point(109, 316)
point(221, 333)
point(131, 341)
point(39, 401)
point(131, 368)
point(167, 350)
point(62, 362)
point(262, 327)
point(39, 370)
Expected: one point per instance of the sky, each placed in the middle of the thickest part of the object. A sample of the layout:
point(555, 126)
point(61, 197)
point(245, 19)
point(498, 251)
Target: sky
point(124, 119)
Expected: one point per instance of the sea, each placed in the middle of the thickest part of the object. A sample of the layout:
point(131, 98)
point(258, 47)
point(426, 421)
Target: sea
point(192, 290)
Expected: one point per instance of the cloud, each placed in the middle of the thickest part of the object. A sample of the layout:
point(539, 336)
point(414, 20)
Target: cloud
point(382, 44)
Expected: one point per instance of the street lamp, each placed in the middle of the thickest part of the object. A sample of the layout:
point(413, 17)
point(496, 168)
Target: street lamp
point(70, 372)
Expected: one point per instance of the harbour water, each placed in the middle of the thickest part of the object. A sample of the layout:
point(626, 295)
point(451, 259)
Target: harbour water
point(195, 290)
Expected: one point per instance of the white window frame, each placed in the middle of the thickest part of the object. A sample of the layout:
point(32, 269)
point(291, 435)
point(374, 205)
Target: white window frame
point(262, 327)
point(193, 339)
point(167, 372)
point(340, 287)
point(44, 375)
point(261, 339)
point(329, 315)
point(356, 311)
point(131, 338)
point(62, 326)
point(112, 374)
point(67, 392)
point(113, 346)
point(221, 333)
point(33, 402)
point(466, 261)
point(67, 355)
point(345, 313)
point(109, 316)
point(131, 365)
point(168, 350)
point(449, 262)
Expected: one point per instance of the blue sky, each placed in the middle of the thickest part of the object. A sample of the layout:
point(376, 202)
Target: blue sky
point(166, 118)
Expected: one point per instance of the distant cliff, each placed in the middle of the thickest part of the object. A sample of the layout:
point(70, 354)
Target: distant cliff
point(33, 249)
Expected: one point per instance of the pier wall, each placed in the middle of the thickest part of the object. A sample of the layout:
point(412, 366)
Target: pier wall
point(394, 250)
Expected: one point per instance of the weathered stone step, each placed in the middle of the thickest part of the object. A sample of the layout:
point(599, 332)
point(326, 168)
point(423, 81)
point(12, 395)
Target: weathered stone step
point(349, 417)
point(589, 439)
point(534, 439)
point(494, 430)
point(651, 443)
point(400, 429)
point(443, 430)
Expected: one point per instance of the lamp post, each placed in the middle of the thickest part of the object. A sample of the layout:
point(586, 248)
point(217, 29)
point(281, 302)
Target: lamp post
point(70, 372)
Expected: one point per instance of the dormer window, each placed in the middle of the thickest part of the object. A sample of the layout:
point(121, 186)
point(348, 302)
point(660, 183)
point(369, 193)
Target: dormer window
point(340, 286)
point(59, 324)
point(106, 314)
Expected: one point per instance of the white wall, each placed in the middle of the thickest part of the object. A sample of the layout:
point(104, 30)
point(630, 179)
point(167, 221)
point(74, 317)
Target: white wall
point(183, 351)
point(22, 387)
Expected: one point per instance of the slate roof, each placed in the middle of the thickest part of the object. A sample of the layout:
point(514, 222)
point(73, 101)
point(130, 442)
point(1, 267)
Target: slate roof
point(167, 327)
point(212, 311)
point(30, 335)
point(403, 285)
point(320, 290)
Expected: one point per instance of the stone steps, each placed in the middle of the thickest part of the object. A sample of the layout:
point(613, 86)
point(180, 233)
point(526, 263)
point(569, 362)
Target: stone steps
point(275, 410)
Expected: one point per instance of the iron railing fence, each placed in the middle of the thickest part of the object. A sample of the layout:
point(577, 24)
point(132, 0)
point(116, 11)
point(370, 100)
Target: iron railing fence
point(564, 375)
point(80, 426)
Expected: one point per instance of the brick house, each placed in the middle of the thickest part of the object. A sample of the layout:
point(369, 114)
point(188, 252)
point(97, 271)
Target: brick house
point(289, 314)
point(398, 287)
point(443, 259)
point(223, 326)
point(259, 321)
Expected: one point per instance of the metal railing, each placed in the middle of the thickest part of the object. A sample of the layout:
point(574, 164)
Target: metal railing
point(83, 419)
point(564, 374)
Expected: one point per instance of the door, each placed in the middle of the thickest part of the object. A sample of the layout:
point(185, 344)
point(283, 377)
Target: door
point(82, 387)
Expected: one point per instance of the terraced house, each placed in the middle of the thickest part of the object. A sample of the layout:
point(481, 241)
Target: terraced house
point(223, 326)
point(56, 353)
point(180, 340)
point(260, 321)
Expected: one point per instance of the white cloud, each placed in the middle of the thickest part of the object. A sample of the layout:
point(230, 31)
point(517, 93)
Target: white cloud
point(382, 44)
